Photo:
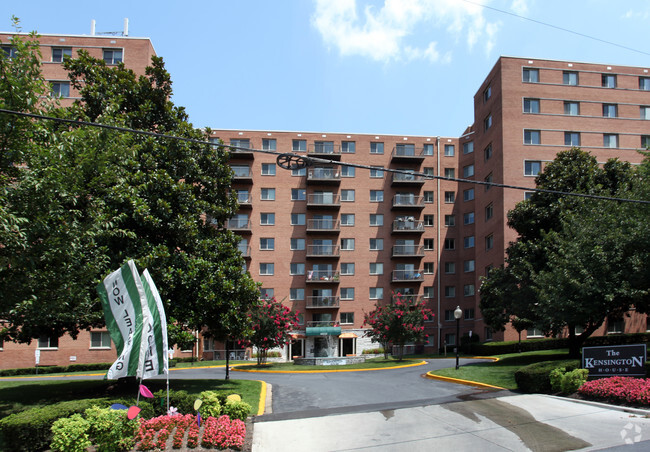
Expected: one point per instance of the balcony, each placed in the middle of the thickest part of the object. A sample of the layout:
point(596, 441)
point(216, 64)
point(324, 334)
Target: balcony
point(240, 153)
point(324, 149)
point(323, 251)
point(245, 250)
point(242, 175)
point(407, 202)
point(407, 153)
point(406, 179)
point(407, 276)
point(408, 298)
point(407, 225)
point(322, 303)
point(323, 276)
point(324, 201)
point(244, 200)
point(237, 225)
point(323, 226)
point(407, 251)
point(324, 176)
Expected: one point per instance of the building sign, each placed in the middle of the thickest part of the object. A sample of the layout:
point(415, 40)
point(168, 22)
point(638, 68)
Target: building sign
point(615, 360)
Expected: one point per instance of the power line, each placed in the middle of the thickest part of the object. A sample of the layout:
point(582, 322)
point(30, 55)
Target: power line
point(302, 161)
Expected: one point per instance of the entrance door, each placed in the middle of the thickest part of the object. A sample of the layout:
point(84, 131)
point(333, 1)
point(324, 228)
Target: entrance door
point(347, 346)
point(296, 348)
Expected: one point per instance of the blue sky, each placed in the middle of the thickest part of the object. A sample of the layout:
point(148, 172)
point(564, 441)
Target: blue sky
point(389, 67)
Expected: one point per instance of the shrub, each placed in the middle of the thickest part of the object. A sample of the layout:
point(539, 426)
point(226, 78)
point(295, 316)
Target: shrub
point(181, 400)
point(211, 405)
point(536, 377)
point(627, 390)
point(556, 378)
point(373, 351)
point(70, 434)
point(237, 409)
point(571, 381)
point(110, 430)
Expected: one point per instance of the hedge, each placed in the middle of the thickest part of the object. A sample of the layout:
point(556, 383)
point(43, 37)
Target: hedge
point(90, 367)
point(534, 378)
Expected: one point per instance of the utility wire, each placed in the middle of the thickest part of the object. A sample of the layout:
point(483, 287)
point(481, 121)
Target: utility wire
point(546, 24)
point(310, 160)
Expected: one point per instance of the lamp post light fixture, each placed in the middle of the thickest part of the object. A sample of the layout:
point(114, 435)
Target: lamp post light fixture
point(458, 313)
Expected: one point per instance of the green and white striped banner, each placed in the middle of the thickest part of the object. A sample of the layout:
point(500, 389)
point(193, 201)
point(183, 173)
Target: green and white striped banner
point(156, 359)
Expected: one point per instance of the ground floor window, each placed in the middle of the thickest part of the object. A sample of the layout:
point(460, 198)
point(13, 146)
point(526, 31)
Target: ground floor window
point(100, 339)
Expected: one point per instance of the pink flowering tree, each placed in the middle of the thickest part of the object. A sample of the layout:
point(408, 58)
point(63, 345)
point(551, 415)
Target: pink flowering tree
point(272, 325)
point(398, 323)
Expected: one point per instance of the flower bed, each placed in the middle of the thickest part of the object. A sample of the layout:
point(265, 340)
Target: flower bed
point(219, 433)
point(625, 390)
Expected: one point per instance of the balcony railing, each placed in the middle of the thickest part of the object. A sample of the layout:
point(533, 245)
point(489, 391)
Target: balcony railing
point(408, 201)
point(324, 175)
point(325, 148)
point(409, 298)
point(323, 225)
point(321, 323)
point(406, 178)
point(324, 200)
point(323, 276)
point(407, 275)
point(237, 224)
point(408, 225)
point(407, 251)
point(245, 250)
point(407, 153)
point(322, 302)
point(323, 250)
point(244, 199)
point(242, 175)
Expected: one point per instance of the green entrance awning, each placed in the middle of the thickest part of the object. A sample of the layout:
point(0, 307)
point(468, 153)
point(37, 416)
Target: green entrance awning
point(323, 331)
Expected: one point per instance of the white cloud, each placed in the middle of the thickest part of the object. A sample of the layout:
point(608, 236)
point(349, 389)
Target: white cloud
point(519, 7)
point(402, 29)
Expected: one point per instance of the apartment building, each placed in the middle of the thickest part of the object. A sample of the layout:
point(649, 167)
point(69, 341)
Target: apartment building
point(370, 219)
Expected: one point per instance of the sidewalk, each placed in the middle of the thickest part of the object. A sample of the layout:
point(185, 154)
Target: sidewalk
point(520, 422)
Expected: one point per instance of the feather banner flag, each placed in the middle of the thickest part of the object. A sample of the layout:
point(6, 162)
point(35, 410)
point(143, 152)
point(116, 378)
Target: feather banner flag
point(156, 358)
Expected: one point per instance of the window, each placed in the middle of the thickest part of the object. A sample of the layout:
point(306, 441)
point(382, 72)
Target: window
point(347, 195)
point(268, 194)
point(532, 167)
point(298, 194)
point(468, 266)
point(324, 147)
point(376, 293)
point(487, 152)
point(429, 244)
point(268, 144)
point(428, 171)
point(299, 172)
point(376, 219)
point(487, 93)
point(429, 220)
point(61, 89)
point(297, 244)
point(299, 146)
point(570, 78)
point(347, 268)
point(450, 244)
point(489, 242)
point(297, 268)
point(450, 292)
point(347, 318)
point(267, 219)
point(645, 112)
point(532, 137)
point(348, 147)
point(347, 171)
point(450, 197)
point(449, 315)
point(376, 195)
point(427, 149)
point(59, 53)
point(610, 110)
point(347, 244)
point(615, 326)
point(488, 333)
point(531, 105)
point(450, 221)
point(450, 150)
point(468, 218)
point(609, 81)
point(376, 173)
point(376, 268)
point(428, 268)
point(376, 244)
point(468, 147)
point(347, 219)
point(468, 242)
point(48, 342)
point(100, 339)
point(489, 211)
point(9, 51)
point(450, 268)
point(267, 268)
point(268, 169)
point(572, 138)
point(468, 171)
point(530, 75)
point(428, 197)
point(489, 178)
point(610, 140)
point(376, 148)
point(112, 56)
point(487, 123)
point(468, 313)
point(468, 290)
point(297, 219)
point(644, 83)
point(347, 293)
point(267, 293)
point(645, 141)
point(571, 108)
point(267, 243)
point(297, 294)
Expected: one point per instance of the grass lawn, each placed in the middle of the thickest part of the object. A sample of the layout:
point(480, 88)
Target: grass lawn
point(373, 363)
point(502, 372)
point(19, 395)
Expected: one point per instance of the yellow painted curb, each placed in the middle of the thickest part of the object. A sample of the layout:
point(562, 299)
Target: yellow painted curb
point(461, 382)
point(326, 371)
point(262, 402)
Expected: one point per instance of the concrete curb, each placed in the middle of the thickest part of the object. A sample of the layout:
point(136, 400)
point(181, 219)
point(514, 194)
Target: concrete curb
point(462, 382)
point(261, 406)
point(625, 409)
point(421, 363)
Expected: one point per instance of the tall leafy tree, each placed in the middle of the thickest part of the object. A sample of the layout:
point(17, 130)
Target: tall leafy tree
point(272, 326)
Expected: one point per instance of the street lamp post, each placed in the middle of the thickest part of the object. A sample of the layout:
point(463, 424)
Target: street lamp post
point(457, 315)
